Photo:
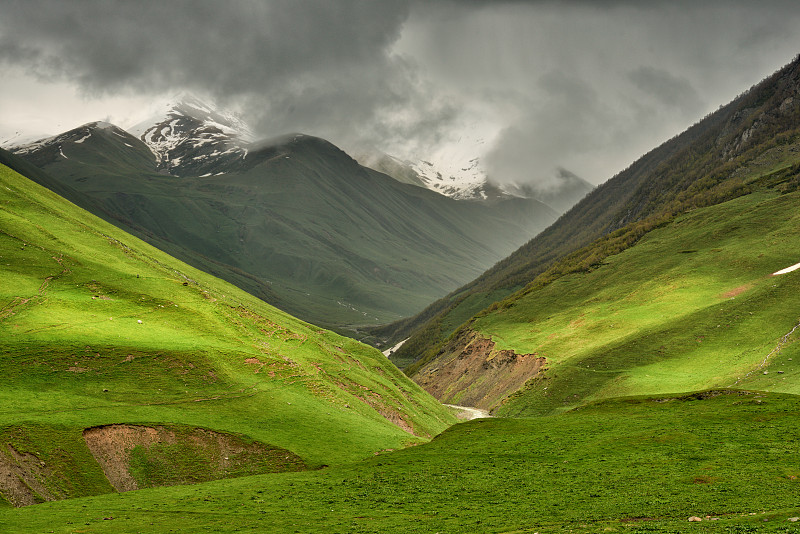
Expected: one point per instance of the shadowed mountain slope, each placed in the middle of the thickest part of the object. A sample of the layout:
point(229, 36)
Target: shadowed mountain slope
point(293, 220)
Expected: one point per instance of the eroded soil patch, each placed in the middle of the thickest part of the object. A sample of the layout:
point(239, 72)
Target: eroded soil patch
point(21, 476)
point(138, 456)
point(471, 372)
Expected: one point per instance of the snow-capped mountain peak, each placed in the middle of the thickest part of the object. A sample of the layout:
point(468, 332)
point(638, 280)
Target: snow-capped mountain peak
point(453, 169)
point(189, 136)
point(76, 135)
point(456, 174)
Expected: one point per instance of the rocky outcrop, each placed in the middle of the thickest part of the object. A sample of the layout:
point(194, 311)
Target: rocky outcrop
point(470, 371)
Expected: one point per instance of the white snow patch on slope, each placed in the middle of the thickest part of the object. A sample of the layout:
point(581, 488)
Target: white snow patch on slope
point(454, 169)
point(20, 139)
point(186, 122)
point(787, 270)
point(392, 350)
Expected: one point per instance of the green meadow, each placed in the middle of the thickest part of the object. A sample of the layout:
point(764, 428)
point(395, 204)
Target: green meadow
point(634, 465)
point(98, 328)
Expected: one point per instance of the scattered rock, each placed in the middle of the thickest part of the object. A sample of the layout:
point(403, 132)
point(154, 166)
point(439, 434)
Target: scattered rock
point(695, 518)
point(794, 519)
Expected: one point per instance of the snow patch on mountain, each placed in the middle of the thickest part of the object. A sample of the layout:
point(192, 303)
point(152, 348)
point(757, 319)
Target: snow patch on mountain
point(18, 139)
point(457, 172)
point(453, 169)
point(188, 135)
point(76, 135)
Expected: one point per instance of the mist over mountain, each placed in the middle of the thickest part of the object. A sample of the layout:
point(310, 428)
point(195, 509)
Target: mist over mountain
point(745, 149)
point(561, 190)
point(586, 87)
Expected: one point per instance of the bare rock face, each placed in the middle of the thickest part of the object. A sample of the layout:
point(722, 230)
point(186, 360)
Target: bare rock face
point(471, 372)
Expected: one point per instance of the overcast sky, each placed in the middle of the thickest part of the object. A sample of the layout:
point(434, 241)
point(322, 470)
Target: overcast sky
point(532, 85)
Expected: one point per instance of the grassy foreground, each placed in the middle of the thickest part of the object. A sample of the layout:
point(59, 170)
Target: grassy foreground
point(99, 328)
point(625, 465)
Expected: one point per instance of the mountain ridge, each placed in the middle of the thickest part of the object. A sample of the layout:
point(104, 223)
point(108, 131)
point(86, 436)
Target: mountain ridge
point(294, 219)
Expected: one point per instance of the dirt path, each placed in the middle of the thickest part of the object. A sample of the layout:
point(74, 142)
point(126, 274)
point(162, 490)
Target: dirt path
point(469, 413)
point(783, 341)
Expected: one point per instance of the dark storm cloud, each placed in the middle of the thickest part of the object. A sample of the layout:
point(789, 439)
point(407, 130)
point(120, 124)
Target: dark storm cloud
point(296, 64)
point(583, 85)
point(109, 45)
point(668, 89)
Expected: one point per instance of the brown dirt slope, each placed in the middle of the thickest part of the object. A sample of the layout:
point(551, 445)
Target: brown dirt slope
point(20, 478)
point(470, 372)
point(134, 456)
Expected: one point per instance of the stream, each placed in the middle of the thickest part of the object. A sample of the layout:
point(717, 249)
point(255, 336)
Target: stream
point(469, 413)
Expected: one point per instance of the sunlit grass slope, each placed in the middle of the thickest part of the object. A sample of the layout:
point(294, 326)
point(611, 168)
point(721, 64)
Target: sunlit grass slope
point(97, 327)
point(627, 465)
point(693, 305)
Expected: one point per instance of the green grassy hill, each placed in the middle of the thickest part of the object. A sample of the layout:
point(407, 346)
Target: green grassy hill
point(693, 305)
point(98, 328)
point(697, 168)
point(635, 466)
point(297, 222)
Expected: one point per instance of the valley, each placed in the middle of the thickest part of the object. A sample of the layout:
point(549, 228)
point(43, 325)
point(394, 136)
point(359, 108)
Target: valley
point(692, 306)
point(204, 331)
point(293, 220)
point(636, 465)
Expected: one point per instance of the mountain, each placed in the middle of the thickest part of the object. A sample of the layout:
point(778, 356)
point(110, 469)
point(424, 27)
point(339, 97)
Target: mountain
point(191, 138)
point(746, 149)
point(561, 190)
point(454, 169)
point(213, 383)
point(124, 368)
point(293, 220)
